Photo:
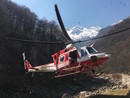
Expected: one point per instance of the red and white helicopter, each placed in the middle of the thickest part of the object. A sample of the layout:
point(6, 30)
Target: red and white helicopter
point(72, 59)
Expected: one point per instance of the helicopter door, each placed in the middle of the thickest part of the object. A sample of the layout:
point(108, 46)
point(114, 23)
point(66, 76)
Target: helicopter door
point(73, 55)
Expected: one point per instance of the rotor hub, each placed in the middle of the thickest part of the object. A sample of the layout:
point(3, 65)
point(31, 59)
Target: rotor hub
point(70, 46)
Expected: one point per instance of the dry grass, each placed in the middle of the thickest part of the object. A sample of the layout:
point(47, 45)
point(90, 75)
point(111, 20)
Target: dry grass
point(121, 92)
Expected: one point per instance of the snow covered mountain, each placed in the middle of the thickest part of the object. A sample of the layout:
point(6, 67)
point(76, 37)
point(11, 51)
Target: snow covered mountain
point(81, 33)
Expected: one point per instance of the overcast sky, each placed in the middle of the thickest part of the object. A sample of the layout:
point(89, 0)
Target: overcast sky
point(86, 13)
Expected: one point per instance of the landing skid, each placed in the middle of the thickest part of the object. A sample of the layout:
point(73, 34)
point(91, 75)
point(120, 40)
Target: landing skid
point(63, 75)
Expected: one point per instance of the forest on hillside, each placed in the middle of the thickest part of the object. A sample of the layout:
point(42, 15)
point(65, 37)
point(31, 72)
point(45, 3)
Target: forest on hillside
point(19, 22)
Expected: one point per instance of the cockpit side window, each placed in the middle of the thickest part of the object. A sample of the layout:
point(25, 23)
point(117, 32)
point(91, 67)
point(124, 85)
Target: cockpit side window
point(83, 52)
point(67, 56)
point(91, 50)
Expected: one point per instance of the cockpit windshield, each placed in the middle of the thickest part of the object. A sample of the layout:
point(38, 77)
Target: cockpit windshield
point(91, 50)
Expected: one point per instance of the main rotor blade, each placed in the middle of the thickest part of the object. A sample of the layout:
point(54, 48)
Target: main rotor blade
point(104, 35)
point(32, 41)
point(61, 23)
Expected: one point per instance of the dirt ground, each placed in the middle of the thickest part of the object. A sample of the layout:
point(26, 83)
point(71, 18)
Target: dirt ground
point(117, 86)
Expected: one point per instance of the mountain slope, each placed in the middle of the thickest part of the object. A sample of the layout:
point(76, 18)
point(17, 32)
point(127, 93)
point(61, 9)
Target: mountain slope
point(117, 45)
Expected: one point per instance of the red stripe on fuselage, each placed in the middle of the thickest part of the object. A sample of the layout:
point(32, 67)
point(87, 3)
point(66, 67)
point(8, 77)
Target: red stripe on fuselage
point(85, 64)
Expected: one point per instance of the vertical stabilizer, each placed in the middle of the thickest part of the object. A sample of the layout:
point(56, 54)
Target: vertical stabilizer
point(27, 65)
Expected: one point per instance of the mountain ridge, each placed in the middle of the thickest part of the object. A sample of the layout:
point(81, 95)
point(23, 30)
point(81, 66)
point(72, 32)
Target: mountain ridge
point(82, 33)
point(116, 45)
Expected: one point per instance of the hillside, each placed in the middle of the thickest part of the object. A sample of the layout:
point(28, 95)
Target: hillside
point(117, 45)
